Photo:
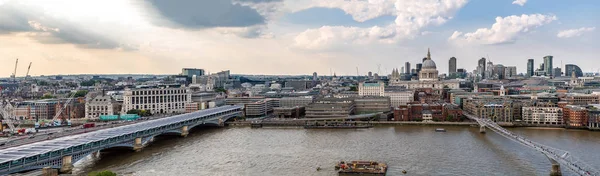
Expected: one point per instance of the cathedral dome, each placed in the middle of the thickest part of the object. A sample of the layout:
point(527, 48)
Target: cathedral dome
point(429, 64)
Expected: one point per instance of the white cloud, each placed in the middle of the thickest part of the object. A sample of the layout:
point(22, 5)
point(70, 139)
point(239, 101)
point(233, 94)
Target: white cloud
point(574, 32)
point(411, 17)
point(520, 2)
point(505, 30)
point(38, 26)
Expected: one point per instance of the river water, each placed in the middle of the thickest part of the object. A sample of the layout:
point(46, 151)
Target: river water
point(297, 151)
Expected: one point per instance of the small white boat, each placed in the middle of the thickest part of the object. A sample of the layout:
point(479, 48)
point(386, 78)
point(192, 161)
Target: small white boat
point(440, 130)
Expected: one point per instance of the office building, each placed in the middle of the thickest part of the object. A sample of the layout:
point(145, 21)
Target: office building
point(371, 104)
point(530, 69)
point(295, 101)
point(481, 67)
point(189, 72)
point(156, 100)
point(418, 69)
point(571, 68)
point(331, 108)
point(298, 85)
point(548, 65)
point(371, 88)
point(452, 66)
point(510, 71)
point(399, 96)
point(407, 68)
point(557, 72)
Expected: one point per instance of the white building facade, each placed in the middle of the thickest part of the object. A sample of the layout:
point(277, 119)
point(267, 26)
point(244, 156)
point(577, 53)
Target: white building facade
point(157, 100)
point(98, 104)
point(400, 97)
point(371, 88)
point(543, 115)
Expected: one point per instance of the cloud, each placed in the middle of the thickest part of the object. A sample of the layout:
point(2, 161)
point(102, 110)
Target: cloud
point(505, 30)
point(574, 32)
point(411, 17)
point(519, 2)
point(46, 24)
point(206, 14)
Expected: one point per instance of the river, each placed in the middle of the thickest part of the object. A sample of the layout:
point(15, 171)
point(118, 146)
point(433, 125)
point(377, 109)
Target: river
point(296, 151)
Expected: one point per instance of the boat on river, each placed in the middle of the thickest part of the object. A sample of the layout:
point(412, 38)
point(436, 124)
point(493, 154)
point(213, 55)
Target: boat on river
point(370, 168)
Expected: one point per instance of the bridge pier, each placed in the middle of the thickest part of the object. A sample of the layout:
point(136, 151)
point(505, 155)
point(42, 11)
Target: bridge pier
point(482, 128)
point(48, 171)
point(555, 171)
point(137, 145)
point(184, 131)
point(67, 164)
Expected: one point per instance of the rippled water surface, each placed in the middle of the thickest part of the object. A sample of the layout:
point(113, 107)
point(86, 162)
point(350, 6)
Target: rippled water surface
point(275, 151)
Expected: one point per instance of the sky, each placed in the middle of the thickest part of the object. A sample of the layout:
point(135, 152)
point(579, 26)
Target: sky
point(280, 37)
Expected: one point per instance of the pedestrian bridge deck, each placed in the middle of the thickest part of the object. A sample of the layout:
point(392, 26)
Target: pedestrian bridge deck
point(556, 156)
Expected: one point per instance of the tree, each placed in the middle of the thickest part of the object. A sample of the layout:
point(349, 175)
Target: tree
point(88, 83)
point(47, 96)
point(353, 88)
point(141, 113)
point(220, 89)
point(450, 118)
point(79, 93)
point(102, 173)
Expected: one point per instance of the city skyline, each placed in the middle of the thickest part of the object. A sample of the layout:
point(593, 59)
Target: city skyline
point(273, 37)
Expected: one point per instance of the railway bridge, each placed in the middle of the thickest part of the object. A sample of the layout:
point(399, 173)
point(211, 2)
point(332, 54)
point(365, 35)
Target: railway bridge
point(62, 153)
point(556, 156)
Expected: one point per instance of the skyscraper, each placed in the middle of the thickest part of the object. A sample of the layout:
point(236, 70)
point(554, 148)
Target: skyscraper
point(481, 66)
point(571, 68)
point(548, 65)
point(419, 65)
point(314, 76)
point(407, 67)
point(530, 69)
point(452, 66)
point(424, 59)
point(557, 72)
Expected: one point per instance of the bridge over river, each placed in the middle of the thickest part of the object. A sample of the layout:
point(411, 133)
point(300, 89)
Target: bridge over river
point(556, 156)
point(61, 153)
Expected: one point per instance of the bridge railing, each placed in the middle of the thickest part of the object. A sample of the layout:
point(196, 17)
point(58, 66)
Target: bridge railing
point(555, 155)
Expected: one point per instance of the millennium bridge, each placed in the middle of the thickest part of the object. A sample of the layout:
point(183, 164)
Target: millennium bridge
point(62, 153)
point(556, 156)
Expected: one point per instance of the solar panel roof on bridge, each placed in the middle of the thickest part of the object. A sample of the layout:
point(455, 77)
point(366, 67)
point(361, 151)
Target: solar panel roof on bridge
point(57, 144)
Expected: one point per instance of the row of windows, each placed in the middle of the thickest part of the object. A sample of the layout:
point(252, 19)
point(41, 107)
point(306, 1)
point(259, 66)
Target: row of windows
point(157, 99)
point(95, 144)
point(158, 92)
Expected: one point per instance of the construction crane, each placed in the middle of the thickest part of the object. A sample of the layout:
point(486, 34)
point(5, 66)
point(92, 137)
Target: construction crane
point(357, 74)
point(55, 119)
point(28, 68)
point(14, 75)
point(7, 117)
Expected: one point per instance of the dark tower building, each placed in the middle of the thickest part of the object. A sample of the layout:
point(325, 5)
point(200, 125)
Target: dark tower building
point(481, 66)
point(452, 66)
point(530, 68)
point(407, 67)
point(424, 59)
point(548, 65)
point(419, 65)
point(572, 68)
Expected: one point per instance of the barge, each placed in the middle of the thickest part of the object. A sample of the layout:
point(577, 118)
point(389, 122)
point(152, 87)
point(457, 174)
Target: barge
point(370, 168)
point(338, 126)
